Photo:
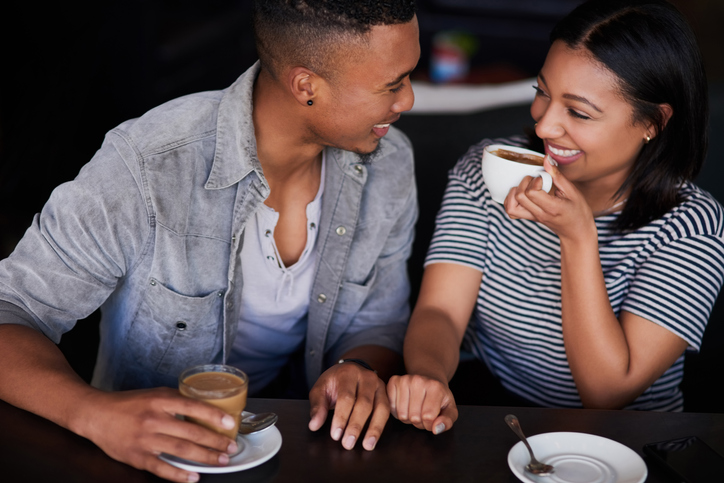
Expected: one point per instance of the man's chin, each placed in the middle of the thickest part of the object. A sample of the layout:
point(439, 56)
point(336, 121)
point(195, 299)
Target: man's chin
point(368, 157)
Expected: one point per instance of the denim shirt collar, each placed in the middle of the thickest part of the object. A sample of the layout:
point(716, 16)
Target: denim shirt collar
point(235, 156)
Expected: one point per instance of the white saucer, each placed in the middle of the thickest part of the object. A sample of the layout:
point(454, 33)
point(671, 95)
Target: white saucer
point(256, 448)
point(579, 458)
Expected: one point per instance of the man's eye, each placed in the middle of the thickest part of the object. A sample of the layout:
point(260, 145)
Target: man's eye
point(397, 89)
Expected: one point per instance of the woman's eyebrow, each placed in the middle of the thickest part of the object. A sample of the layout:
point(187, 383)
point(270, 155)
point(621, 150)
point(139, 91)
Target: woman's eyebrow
point(573, 97)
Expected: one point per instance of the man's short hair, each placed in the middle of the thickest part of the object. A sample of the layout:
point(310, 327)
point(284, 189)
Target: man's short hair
point(308, 33)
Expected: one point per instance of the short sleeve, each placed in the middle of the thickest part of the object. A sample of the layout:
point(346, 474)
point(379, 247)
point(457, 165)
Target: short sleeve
point(678, 285)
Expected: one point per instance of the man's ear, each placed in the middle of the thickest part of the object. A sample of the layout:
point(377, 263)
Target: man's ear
point(303, 84)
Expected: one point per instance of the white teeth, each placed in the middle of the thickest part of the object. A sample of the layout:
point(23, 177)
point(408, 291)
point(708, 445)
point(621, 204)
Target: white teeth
point(382, 126)
point(564, 152)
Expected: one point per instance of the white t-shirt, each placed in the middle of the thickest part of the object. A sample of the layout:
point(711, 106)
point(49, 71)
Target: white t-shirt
point(274, 298)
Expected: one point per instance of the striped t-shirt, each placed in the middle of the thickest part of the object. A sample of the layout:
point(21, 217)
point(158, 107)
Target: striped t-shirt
point(669, 272)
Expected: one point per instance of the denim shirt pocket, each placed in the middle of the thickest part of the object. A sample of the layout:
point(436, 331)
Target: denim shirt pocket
point(173, 331)
point(349, 302)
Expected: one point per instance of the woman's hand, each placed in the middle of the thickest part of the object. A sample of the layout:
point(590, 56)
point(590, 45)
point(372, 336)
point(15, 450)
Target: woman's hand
point(565, 210)
point(424, 402)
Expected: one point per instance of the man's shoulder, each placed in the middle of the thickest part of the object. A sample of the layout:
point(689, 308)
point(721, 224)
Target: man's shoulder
point(174, 123)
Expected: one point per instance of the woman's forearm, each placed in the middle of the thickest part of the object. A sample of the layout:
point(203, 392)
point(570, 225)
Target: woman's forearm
point(595, 342)
point(432, 345)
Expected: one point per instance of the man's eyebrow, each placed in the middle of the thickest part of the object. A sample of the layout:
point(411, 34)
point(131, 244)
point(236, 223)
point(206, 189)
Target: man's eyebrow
point(399, 79)
point(573, 97)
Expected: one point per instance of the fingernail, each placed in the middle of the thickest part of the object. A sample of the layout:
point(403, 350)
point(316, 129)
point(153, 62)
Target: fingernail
point(227, 422)
point(439, 428)
point(193, 477)
point(370, 443)
point(552, 161)
point(233, 448)
point(349, 442)
point(337, 434)
point(223, 459)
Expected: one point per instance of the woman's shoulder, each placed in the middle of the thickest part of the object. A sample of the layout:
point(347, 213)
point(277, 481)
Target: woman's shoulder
point(698, 214)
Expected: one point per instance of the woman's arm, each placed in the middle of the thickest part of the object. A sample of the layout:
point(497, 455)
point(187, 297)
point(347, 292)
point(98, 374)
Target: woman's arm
point(612, 360)
point(432, 347)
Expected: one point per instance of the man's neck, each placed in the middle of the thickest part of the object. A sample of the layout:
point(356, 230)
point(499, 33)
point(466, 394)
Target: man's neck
point(278, 128)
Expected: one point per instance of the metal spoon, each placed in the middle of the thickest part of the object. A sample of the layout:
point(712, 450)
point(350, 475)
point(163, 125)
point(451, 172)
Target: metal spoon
point(535, 466)
point(252, 423)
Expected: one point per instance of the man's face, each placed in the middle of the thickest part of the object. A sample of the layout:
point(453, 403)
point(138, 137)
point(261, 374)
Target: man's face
point(371, 87)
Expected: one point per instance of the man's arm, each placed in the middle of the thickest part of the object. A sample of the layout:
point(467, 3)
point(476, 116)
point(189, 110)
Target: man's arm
point(376, 331)
point(132, 426)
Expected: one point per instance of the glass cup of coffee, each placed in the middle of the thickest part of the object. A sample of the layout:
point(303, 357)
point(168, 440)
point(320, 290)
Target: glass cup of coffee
point(222, 386)
point(504, 167)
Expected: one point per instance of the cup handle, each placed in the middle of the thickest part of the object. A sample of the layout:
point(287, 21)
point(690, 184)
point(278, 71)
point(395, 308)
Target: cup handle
point(547, 181)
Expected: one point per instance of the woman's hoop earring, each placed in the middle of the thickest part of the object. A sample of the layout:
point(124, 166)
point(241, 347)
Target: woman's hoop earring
point(310, 102)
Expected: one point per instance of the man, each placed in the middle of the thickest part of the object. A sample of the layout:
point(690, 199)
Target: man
point(203, 227)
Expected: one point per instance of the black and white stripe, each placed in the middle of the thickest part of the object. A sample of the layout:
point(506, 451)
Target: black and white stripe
point(669, 272)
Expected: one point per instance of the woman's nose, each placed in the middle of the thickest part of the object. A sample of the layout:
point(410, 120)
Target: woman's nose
point(549, 126)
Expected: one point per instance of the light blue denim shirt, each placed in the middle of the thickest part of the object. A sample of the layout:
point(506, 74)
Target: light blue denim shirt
point(151, 231)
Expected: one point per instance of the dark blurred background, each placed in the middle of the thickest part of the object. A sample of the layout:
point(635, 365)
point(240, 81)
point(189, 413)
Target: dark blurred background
point(73, 70)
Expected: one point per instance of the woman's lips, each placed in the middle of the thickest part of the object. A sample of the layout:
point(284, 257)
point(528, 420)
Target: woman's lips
point(563, 155)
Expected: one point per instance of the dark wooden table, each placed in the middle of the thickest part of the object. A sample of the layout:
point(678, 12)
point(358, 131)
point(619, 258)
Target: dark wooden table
point(475, 450)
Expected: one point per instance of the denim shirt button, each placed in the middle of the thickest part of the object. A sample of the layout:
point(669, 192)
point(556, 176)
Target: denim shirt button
point(341, 230)
point(359, 169)
point(180, 325)
point(153, 282)
point(311, 352)
point(321, 298)
point(220, 293)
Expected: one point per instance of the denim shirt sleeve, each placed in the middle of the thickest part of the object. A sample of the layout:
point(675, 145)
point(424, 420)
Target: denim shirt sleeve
point(87, 236)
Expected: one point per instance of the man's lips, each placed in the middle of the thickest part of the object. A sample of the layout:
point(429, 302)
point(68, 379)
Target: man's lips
point(382, 128)
point(562, 155)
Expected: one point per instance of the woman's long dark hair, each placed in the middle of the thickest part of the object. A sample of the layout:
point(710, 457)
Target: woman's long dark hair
point(653, 52)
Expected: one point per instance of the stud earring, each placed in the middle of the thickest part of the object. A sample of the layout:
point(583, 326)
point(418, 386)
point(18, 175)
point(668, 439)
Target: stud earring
point(647, 139)
point(310, 102)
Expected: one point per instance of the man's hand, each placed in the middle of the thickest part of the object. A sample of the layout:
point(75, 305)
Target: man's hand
point(356, 394)
point(424, 402)
point(134, 427)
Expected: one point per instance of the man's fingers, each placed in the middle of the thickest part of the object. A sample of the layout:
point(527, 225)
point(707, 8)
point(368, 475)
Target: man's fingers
point(167, 471)
point(361, 404)
point(191, 450)
point(319, 409)
point(380, 415)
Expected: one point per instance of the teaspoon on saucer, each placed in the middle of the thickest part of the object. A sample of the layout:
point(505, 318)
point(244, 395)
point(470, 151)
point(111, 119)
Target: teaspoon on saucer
point(535, 466)
point(252, 423)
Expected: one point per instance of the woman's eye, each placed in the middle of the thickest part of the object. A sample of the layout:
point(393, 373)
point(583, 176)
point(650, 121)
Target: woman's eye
point(577, 114)
point(539, 91)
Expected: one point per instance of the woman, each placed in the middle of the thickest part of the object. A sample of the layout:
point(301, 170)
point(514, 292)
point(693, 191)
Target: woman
point(588, 296)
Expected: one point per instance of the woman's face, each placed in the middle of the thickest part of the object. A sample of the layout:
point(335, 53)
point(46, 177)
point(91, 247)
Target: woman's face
point(584, 121)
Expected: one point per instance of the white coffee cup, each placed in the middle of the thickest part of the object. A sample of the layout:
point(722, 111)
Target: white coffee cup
point(502, 174)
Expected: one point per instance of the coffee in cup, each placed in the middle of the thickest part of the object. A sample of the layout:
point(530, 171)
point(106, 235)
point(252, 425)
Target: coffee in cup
point(222, 386)
point(504, 167)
